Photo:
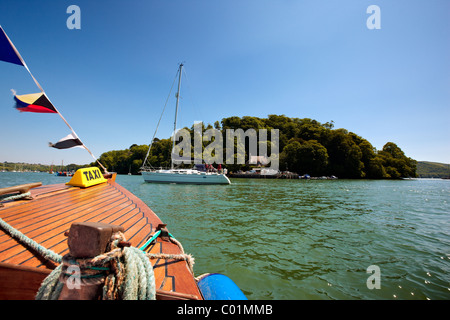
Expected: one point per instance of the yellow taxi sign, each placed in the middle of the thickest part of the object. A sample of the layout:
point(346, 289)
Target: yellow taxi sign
point(87, 177)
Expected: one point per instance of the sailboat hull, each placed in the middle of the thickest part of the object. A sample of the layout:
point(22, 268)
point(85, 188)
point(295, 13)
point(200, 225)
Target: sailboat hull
point(184, 176)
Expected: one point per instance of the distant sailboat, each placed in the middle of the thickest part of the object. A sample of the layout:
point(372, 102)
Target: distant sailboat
point(187, 176)
point(61, 173)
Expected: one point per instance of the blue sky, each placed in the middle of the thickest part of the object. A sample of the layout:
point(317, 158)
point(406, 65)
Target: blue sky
point(305, 59)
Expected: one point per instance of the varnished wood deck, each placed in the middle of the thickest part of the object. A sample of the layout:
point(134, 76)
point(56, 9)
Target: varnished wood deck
point(51, 213)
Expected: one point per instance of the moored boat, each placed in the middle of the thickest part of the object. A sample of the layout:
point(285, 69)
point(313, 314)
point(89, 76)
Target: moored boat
point(175, 175)
point(188, 176)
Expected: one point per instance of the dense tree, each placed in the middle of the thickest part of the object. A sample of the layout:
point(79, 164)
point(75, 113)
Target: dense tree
point(395, 161)
point(375, 169)
point(345, 155)
point(304, 157)
point(305, 146)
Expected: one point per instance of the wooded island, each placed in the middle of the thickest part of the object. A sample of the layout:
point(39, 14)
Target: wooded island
point(306, 146)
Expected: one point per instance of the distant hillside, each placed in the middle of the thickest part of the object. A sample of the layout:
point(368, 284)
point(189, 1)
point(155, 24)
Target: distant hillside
point(26, 167)
point(426, 169)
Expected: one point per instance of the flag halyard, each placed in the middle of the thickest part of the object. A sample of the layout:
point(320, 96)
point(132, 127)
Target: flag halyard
point(37, 102)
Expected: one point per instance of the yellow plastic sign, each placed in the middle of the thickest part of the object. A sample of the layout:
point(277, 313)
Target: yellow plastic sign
point(86, 177)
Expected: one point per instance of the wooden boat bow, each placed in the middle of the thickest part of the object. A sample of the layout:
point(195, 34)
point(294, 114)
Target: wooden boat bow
point(55, 208)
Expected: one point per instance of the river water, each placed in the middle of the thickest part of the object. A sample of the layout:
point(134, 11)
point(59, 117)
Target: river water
point(308, 239)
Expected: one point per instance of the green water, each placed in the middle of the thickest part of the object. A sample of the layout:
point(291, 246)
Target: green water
point(297, 239)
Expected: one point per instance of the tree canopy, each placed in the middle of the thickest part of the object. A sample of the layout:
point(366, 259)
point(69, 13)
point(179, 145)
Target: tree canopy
point(306, 146)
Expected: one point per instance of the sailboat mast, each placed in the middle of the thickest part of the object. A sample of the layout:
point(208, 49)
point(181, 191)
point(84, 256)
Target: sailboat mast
point(176, 112)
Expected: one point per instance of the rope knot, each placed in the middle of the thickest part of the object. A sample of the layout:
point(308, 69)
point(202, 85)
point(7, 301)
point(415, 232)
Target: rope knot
point(123, 272)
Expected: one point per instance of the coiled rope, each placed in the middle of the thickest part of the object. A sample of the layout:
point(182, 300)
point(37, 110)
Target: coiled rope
point(127, 271)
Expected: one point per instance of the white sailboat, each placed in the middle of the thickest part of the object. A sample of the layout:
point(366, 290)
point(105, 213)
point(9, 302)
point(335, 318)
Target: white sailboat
point(196, 175)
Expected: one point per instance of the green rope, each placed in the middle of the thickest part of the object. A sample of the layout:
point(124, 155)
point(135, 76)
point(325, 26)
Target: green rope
point(99, 268)
point(15, 196)
point(8, 197)
point(50, 287)
point(19, 236)
point(150, 240)
point(156, 235)
point(179, 257)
